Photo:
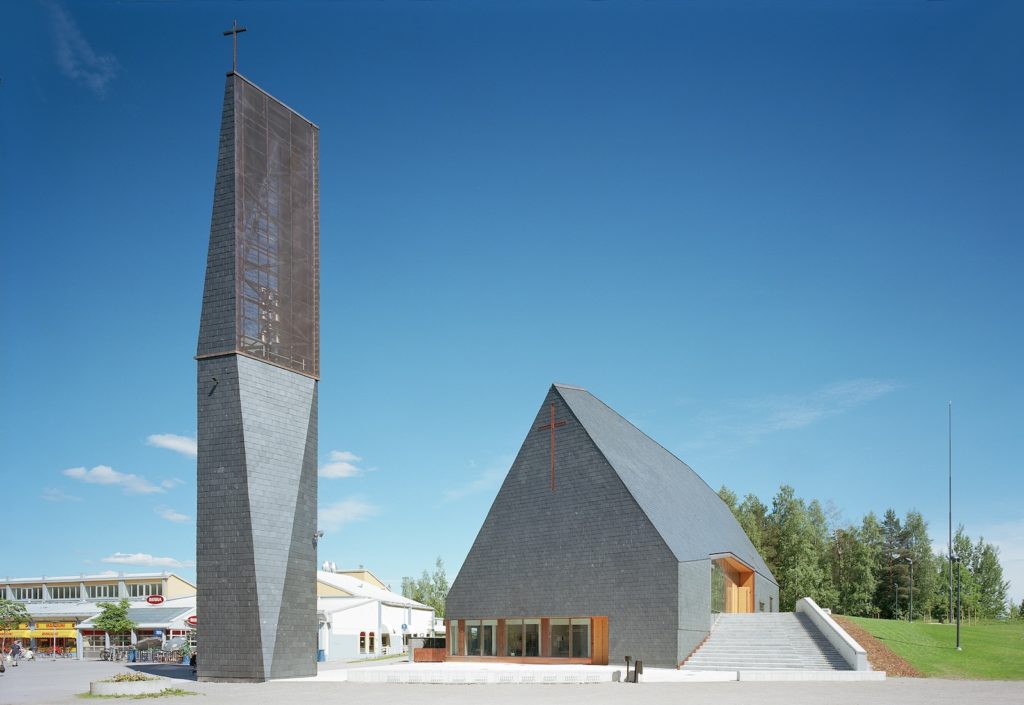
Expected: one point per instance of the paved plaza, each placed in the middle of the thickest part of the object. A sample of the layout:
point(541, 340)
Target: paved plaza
point(48, 682)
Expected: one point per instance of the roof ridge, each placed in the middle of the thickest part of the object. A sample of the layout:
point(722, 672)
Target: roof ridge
point(562, 385)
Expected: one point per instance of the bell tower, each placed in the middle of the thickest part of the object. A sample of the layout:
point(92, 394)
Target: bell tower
point(258, 364)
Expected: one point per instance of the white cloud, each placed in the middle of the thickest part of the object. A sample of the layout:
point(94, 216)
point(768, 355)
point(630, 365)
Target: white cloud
point(341, 463)
point(171, 515)
point(105, 475)
point(185, 445)
point(792, 412)
point(487, 480)
point(749, 421)
point(146, 560)
point(55, 494)
point(75, 56)
point(347, 511)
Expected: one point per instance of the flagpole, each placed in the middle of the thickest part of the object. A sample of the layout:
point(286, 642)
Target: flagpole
point(949, 553)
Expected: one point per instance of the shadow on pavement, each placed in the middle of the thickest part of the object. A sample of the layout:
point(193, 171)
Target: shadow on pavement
point(165, 670)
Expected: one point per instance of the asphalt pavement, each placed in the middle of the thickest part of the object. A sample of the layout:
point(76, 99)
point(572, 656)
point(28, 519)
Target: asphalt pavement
point(60, 682)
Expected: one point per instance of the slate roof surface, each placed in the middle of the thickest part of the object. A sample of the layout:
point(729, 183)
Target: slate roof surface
point(689, 515)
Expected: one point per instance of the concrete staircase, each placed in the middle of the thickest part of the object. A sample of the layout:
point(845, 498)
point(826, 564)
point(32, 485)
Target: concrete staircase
point(765, 641)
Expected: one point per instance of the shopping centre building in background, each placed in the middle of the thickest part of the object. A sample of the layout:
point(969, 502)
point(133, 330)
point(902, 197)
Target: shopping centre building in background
point(358, 616)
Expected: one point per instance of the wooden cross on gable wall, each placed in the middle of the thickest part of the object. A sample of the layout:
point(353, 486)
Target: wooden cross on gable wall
point(552, 425)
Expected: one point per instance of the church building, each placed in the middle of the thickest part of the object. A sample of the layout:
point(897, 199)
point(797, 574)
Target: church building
point(600, 544)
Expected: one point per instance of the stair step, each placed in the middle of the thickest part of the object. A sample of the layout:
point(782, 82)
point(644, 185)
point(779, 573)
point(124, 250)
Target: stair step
point(765, 641)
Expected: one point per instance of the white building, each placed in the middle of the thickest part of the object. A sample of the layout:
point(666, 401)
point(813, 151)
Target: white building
point(360, 618)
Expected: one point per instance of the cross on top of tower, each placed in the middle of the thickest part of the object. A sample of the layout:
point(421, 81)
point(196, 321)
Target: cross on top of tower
point(234, 32)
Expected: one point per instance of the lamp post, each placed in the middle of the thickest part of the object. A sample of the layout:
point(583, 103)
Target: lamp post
point(956, 562)
point(895, 584)
point(911, 562)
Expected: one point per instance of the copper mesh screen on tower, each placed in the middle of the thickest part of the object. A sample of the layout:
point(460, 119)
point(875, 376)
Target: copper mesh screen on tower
point(278, 233)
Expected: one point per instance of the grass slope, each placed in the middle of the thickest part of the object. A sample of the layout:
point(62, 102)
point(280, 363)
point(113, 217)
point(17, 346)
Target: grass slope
point(992, 650)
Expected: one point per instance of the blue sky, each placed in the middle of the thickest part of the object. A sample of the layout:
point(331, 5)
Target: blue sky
point(778, 237)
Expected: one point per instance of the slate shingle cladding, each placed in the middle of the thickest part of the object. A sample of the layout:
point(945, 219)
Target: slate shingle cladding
point(627, 534)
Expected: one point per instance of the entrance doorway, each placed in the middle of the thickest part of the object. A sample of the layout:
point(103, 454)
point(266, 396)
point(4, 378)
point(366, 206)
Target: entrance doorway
point(732, 586)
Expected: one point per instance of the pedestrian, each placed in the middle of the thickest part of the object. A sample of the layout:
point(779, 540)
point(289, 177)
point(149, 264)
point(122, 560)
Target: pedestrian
point(15, 652)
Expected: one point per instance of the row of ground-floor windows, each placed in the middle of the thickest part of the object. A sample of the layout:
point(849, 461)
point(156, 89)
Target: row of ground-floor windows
point(555, 637)
point(367, 640)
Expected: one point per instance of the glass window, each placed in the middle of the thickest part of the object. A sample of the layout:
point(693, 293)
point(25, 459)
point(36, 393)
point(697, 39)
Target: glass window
point(372, 636)
point(490, 637)
point(65, 592)
point(581, 638)
point(473, 637)
point(560, 638)
point(514, 638)
point(362, 642)
point(96, 591)
point(28, 593)
point(145, 589)
point(453, 636)
point(531, 635)
point(717, 587)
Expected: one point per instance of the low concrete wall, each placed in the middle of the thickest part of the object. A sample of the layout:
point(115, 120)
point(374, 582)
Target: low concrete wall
point(852, 652)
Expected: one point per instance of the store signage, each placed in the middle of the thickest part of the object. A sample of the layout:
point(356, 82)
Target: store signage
point(55, 625)
point(193, 620)
point(158, 632)
point(155, 599)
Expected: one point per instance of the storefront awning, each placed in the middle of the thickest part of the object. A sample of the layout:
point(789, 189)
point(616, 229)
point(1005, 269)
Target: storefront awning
point(39, 634)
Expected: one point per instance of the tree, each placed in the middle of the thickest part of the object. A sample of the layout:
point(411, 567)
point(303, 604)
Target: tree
point(729, 497)
point(890, 600)
point(12, 616)
point(853, 572)
point(753, 517)
point(796, 565)
point(989, 576)
point(430, 589)
point(113, 619)
point(917, 547)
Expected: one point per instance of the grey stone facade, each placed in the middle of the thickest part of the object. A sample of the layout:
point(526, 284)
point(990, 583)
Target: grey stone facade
point(694, 605)
point(766, 594)
point(257, 454)
point(626, 534)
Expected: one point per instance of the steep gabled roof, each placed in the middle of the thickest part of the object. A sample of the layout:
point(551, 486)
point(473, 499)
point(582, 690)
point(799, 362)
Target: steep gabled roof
point(691, 518)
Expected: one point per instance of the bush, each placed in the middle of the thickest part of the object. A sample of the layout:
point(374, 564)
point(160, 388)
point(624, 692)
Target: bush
point(131, 678)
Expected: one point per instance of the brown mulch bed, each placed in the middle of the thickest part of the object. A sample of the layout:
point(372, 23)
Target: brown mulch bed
point(880, 656)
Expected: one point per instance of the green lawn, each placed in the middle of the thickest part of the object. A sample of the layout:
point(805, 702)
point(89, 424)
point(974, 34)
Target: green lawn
point(991, 650)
